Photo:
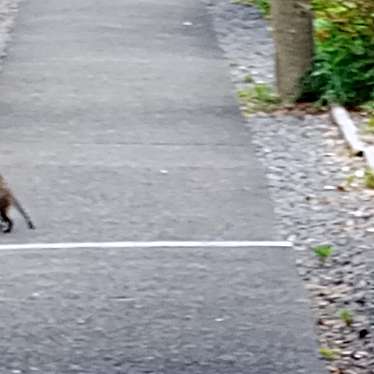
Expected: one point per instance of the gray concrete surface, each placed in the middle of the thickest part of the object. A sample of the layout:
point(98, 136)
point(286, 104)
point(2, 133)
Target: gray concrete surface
point(101, 96)
point(203, 311)
point(119, 122)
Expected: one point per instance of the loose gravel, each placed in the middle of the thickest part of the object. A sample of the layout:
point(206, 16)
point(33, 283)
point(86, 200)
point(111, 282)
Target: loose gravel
point(319, 197)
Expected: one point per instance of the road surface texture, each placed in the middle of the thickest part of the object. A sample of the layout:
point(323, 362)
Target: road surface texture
point(119, 122)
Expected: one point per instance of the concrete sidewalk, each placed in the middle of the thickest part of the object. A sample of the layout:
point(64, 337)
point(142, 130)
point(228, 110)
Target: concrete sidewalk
point(119, 122)
point(101, 97)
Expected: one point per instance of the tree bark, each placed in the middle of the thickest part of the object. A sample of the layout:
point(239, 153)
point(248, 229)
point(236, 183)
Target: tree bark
point(292, 23)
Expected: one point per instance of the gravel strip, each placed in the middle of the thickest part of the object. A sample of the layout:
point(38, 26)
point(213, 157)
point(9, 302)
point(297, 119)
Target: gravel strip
point(319, 197)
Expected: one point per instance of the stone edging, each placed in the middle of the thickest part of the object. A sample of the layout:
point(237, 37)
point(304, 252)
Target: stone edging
point(340, 116)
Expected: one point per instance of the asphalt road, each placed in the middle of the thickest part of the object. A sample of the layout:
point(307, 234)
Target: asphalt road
point(119, 122)
point(101, 98)
point(203, 311)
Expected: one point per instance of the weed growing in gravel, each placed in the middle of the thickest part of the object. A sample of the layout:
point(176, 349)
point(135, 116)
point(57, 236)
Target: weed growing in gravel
point(368, 108)
point(323, 251)
point(259, 98)
point(346, 316)
point(370, 125)
point(369, 178)
point(350, 179)
point(327, 353)
point(248, 79)
point(262, 5)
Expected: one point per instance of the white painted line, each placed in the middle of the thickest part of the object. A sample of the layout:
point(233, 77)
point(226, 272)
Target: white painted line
point(150, 244)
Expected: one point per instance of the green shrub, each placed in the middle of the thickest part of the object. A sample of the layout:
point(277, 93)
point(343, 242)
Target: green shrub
point(343, 67)
point(343, 70)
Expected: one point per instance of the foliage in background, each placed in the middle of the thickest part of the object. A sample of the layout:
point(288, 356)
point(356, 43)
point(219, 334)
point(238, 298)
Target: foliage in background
point(343, 70)
point(344, 58)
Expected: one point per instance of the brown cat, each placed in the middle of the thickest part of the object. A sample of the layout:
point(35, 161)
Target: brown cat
point(7, 199)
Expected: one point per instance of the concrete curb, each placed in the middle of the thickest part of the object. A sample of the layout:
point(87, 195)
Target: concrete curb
point(340, 116)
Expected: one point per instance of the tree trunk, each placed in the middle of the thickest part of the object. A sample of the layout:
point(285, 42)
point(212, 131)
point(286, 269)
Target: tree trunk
point(293, 35)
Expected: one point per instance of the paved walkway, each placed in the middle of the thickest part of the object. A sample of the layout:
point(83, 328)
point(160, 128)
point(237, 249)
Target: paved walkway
point(119, 122)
